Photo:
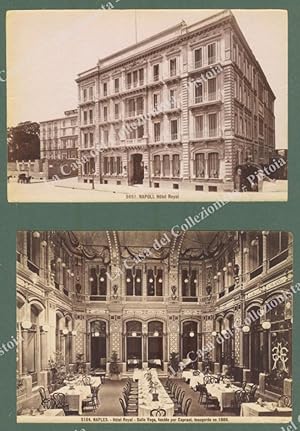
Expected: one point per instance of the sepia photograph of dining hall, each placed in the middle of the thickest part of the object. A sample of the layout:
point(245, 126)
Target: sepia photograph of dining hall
point(154, 326)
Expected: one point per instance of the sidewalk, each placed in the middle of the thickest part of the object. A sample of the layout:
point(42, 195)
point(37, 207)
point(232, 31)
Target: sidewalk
point(70, 190)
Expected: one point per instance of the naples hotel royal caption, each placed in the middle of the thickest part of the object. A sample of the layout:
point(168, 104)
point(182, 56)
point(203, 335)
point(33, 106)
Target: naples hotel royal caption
point(180, 109)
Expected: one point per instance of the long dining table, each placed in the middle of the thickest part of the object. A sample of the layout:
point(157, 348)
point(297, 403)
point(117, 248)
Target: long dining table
point(225, 393)
point(75, 394)
point(145, 396)
point(267, 409)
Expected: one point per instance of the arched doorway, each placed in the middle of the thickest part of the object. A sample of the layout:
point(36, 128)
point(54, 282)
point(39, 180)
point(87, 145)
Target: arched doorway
point(136, 174)
point(134, 357)
point(190, 343)
point(98, 344)
point(155, 344)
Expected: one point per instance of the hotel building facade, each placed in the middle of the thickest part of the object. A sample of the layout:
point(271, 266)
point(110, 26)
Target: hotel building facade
point(181, 109)
point(59, 137)
point(95, 293)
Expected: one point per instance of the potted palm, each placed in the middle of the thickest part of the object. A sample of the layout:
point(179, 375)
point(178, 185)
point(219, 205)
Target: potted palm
point(114, 368)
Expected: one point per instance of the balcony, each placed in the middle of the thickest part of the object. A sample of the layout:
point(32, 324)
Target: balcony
point(278, 258)
point(33, 267)
point(256, 272)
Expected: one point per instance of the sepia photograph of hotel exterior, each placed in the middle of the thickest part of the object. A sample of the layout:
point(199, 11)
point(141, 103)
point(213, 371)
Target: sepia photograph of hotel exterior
point(132, 323)
point(183, 109)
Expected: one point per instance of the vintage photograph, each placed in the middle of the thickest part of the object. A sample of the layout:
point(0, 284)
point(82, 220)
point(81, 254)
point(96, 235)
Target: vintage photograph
point(154, 326)
point(147, 105)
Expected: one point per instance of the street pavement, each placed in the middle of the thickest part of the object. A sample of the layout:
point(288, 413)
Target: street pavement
point(70, 190)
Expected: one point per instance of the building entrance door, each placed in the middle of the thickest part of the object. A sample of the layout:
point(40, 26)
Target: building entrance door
point(98, 344)
point(137, 169)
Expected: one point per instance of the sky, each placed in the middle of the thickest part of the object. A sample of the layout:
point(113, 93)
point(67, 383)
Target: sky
point(47, 49)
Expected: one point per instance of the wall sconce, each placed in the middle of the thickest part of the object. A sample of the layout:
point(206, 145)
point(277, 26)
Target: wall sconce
point(156, 334)
point(138, 280)
point(63, 265)
point(215, 277)
point(128, 280)
point(26, 324)
point(91, 279)
point(224, 332)
point(150, 280)
point(96, 334)
point(219, 274)
point(214, 333)
point(65, 331)
point(225, 269)
point(160, 280)
point(246, 250)
point(186, 280)
point(36, 234)
point(133, 334)
point(192, 334)
point(44, 243)
point(72, 274)
point(102, 279)
point(246, 329)
point(266, 325)
point(229, 264)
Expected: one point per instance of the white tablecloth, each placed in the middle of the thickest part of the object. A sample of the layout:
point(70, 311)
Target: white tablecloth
point(187, 375)
point(138, 374)
point(145, 402)
point(226, 396)
point(95, 381)
point(254, 409)
point(74, 397)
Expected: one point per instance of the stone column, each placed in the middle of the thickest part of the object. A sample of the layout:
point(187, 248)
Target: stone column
point(25, 351)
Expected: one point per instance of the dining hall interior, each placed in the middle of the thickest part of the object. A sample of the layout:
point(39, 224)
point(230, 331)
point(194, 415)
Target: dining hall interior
point(153, 323)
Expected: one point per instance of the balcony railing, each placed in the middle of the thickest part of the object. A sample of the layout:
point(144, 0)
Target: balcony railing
point(97, 297)
point(155, 78)
point(33, 267)
point(198, 99)
point(174, 136)
point(189, 299)
point(279, 258)
point(256, 272)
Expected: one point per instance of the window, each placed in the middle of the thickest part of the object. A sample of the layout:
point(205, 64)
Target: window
point(140, 105)
point(211, 53)
point(199, 165)
point(117, 85)
point(198, 58)
point(119, 166)
point(156, 72)
point(198, 93)
point(166, 165)
point(212, 89)
point(105, 89)
point(91, 139)
point(154, 282)
point(116, 111)
point(172, 99)
point(112, 166)
point(84, 94)
point(33, 252)
point(85, 116)
point(131, 107)
point(199, 126)
point(86, 140)
point(105, 113)
point(105, 136)
point(141, 76)
point(91, 116)
point(176, 165)
point(156, 132)
point(261, 126)
point(155, 100)
point(128, 80)
point(135, 78)
point(91, 93)
point(174, 130)
point(213, 165)
point(117, 137)
point(188, 283)
point(260, 90)
point(173, 67)
point(140, 132)
point(278, 243)
point(212, 125)
point(134, 282)
point(106, 165)
point(156, 165)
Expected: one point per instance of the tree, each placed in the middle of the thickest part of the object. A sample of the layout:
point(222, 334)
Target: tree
point(24, 141)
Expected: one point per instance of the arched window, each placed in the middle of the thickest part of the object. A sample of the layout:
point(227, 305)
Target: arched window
point(213, 165)
point(190, 343)
point(134, 344)
point(155, 344)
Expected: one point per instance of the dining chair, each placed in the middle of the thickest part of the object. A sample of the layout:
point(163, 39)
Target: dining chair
point(240, 396)
point(131, 409)
point(158, 412)
point(60, 402)
point(210, 399)
point(252, 393)
point(86, 380)
point(44, 399)
point(285, 401)
point(178, 406)
point(200, 388)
